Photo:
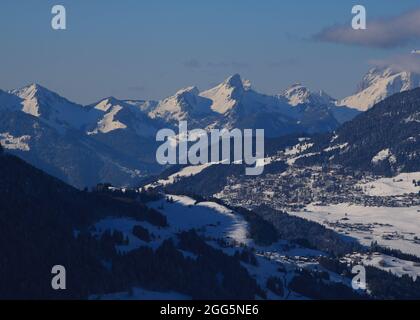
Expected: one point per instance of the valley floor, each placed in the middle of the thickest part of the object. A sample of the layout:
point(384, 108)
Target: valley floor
point(397, 228)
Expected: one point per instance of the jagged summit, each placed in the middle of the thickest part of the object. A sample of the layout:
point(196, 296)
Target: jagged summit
point(50, 107)
point(107, 103)
point(378, 84)
point(192, 90)
point(234, 81)
point(298, 94)
point(34, 91)
point(184, 105)
point(226, 95)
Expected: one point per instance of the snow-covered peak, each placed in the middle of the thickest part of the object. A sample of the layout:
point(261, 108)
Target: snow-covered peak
point(247, 84)
point(297, 94)
point(376, 75)
point(193, 90)
point(226, 95)
point(234, 81)
point(134, 106)
point(112, 114)
point(107, 122)
point(181, 106)
point(31, 90)
point(30, 94)
point(50, 107)
point(378, 84)
point(106, 104)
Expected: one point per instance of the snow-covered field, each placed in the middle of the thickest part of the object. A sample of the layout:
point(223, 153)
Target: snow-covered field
point(397, 228)
point(381, 261)
point(184, 172)
point(396, 186)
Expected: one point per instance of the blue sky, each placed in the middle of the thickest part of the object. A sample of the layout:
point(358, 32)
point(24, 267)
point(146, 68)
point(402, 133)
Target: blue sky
point(150, 49)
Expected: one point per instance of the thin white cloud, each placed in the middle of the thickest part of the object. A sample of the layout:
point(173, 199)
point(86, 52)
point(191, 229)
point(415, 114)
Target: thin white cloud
point(406, 62)
point(381, 33)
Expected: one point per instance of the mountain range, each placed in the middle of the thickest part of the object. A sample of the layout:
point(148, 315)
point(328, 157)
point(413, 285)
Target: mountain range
point(113, 140)
point(383, 141)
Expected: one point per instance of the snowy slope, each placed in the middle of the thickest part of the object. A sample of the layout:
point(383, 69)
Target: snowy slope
point(113, 114)
point(317, 107)
point(396, 186)
point(298, 94)
point(186, 104)
point(225, 96)
point(108, 122)
point(385, 262)
point(235, 93)
point(53, 109)
point(183, 214)
point(378, 84)
point(215, 220)
point(391, 227)
point(184, 172)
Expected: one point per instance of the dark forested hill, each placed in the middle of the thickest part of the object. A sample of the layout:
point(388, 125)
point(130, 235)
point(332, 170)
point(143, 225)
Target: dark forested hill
point(44, 222)
point(384, 140)
point(38, 218)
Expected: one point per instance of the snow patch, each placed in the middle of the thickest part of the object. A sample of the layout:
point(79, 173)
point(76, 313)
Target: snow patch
point(397, 186)
point(185, 172)
point(292, 161)
point(108, 123)
point(297, 149)
point(382, 156)
point(10, 142)
point(338, 146)
point(224, 96)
